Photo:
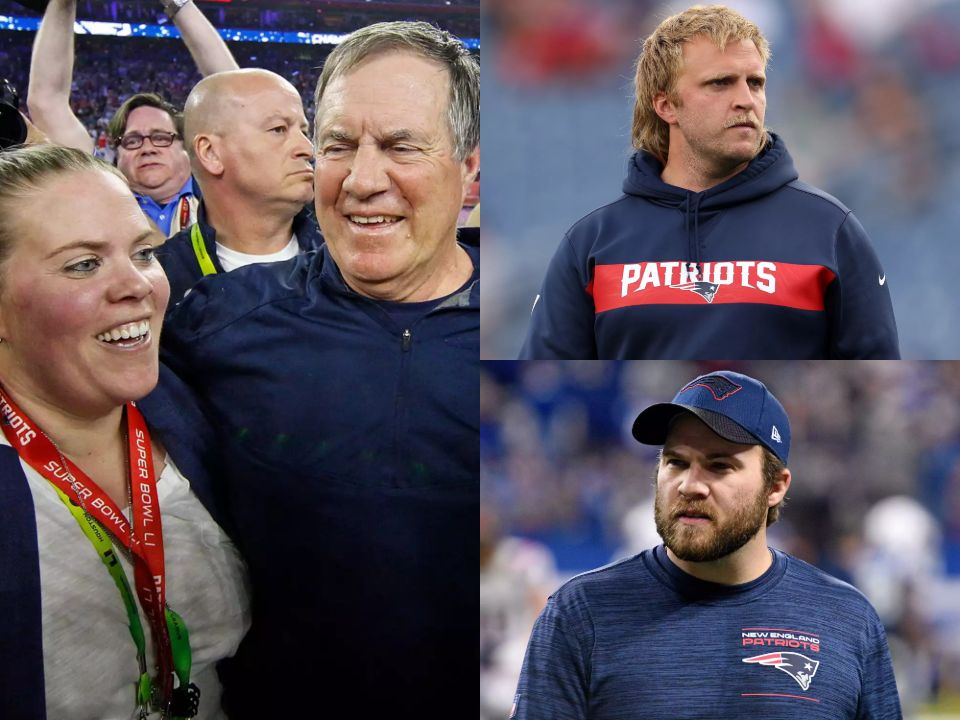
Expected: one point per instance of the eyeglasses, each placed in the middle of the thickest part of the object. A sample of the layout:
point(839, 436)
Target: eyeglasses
point(157, 139)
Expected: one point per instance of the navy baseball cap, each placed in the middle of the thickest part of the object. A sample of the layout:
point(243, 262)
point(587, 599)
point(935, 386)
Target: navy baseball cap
point(736, 407)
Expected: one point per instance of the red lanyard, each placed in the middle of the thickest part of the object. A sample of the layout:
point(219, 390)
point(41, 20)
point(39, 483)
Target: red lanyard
point(184, 212)
point(145, 542)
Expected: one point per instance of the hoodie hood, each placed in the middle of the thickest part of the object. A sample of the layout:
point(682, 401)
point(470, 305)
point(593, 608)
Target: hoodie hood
point(770, 170)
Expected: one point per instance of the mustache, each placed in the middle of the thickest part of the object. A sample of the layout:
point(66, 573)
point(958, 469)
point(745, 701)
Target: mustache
point(743, 120)
point(698, 510)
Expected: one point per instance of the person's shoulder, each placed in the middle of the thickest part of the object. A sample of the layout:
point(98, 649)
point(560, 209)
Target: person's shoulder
point(622, 212)
point(601, 580)
point(612, 210)
point(818, 199)
point(216, 301)
point(824, 585)
point(172, 409)
point(263, 283)
point(169, 394)
point(175, 245)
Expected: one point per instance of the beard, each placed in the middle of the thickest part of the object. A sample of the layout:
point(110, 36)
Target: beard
point(705, 543)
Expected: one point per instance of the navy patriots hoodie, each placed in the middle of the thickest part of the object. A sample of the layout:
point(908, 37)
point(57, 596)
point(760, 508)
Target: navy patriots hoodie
point(762, 266)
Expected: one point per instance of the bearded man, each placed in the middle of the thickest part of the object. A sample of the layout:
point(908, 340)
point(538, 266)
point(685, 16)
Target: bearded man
point(697, 627)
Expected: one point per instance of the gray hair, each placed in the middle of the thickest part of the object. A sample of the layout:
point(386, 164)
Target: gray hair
point(427, 41)
point(27, 169)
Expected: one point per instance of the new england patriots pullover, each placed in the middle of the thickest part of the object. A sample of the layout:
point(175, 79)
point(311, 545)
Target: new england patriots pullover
point(642, 639)
point(762, 266)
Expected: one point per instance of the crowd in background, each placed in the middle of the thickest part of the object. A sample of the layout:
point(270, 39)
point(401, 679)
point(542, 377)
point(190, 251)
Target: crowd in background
point(107, 70)
point(461, 17)
point(864, 95)
point(875, 498)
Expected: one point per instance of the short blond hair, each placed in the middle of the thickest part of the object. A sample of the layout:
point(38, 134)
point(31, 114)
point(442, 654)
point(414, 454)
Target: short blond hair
point(661, 61)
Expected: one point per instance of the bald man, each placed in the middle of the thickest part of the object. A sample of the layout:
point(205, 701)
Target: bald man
point(247, 138)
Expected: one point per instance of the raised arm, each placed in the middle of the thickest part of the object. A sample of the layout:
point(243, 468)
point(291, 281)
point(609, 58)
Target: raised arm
point(206, 47)
point(51, 76)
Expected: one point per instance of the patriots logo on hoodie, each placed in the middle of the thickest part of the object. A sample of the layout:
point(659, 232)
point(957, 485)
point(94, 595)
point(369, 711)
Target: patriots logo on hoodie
point(706, 290)
point(799, 667)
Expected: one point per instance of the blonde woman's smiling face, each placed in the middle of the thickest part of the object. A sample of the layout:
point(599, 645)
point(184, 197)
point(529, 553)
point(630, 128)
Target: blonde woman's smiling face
point(82, 296)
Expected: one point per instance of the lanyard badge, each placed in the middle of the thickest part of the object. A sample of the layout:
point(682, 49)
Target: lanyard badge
point(142, 542)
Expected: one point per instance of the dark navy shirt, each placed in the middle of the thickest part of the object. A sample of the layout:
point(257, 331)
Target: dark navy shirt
point(179, 260)
point(642, 639)
point(349, 433)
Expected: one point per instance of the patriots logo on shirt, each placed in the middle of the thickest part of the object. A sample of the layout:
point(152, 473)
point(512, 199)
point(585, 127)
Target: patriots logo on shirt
point(706, 290)
point(799, 667)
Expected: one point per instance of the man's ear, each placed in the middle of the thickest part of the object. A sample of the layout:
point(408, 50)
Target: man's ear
point(779, 489)
point(206, 153)
point(469, 168)
point(665, 107)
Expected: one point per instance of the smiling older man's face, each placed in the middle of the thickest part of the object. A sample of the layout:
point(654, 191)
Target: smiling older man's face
point(389, 187)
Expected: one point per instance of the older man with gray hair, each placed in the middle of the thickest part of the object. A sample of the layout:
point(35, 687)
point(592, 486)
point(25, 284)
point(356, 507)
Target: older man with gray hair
point(345, 386)
point(397, 143)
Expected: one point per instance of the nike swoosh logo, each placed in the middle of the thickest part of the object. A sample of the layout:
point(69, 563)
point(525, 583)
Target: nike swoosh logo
point(883, 279)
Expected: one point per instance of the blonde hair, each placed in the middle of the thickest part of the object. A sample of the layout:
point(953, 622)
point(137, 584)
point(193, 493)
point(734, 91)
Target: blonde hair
point(27, 169)
point(661, 61)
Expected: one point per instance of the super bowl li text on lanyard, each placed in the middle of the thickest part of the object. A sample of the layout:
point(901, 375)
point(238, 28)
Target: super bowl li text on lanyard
point(141, 542)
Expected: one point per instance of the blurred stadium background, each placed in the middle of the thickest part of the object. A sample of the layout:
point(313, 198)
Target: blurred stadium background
point(863, 91)
point(875, 498)
point(128, 46)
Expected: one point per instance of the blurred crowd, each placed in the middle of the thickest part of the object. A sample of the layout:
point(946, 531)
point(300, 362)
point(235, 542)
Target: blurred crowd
point(875, 498)
point(864, 95)
point(461, 17)
point(108, 70)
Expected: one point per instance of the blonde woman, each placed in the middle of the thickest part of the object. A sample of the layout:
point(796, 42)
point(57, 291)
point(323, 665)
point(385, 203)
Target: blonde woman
point(118, 589)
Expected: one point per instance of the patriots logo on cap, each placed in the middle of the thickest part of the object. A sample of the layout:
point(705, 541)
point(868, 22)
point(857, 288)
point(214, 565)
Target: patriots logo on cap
point(706, 290)
point(718, 385)
point(799, 667)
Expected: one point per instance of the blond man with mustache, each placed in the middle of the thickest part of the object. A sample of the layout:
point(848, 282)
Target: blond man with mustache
point(715, 249)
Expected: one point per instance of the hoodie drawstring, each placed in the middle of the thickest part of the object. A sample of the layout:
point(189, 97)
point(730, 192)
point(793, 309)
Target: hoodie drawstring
point(693, 240)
